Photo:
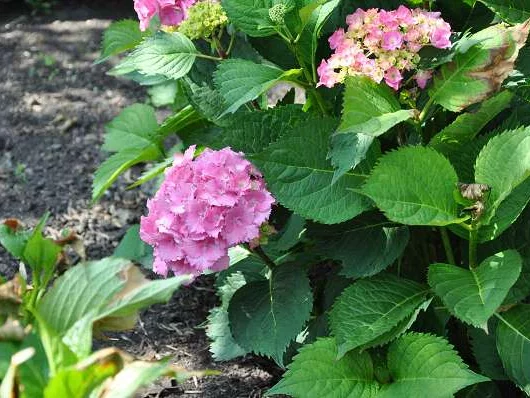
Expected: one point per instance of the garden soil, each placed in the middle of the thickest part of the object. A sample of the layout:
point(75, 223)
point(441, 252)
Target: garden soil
point(54, 103)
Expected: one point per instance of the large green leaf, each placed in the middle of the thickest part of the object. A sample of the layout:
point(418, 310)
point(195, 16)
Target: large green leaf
point(364, 245)
point(513, 345)
point(14, 240)
point(120, 36)
point(167, 54)
point(316, 373)
point(369, 110)
point(133, 248)
point(467, 125)
point(372, 307)
point(474, 295)
point(134, 127)
point(223, 346)
point(252, 132)
point(41, 253)
point(512, 11)
point(475, 74)
point(308, 38)
point(265, 316)
point(414, 185)
point(240, 81)
point(300, 177)
point(510, 184)
point(110, 291)
point(251, 16)
point(110, 169)
point(484, 348)
point(423, 363)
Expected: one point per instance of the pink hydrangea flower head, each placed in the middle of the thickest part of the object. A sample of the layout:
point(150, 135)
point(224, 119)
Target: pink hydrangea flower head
point(382, 44)
point(171, 12)
point(203, 207)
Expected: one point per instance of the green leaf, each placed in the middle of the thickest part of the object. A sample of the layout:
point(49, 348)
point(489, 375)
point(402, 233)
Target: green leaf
point(308, 40)
point(474, 295)
point(252, 132)
point(364, 245)
point(209, 103)
point(168, 54)
point(178, 122)
point(300, 177)
point(467, 125)
point(485, 351)
point(369, 110)
point(223, 346)
point(110, 169)
point(152, 172)
point(421, 362)
point(371, 307)
point(510, 185)
point(291, 234)
point(120, 36)
point(475, 74)
point(133, 248)
point(316, 373)
point(240, 81)
point(513, 344)
point(482, 390)
point(265, 316)
point(134, 127)
point(511, 11)
point(251, 16)
point(414, 185)
point(14, 240)
point(40, 253)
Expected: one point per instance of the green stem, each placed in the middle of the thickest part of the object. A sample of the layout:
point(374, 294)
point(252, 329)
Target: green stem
point(200, 55)
point(473, 248)
point(447, 246)
point(425, 111)
point(231, 44)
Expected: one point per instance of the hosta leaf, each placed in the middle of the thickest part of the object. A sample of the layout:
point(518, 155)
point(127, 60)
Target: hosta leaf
point(167, 54)
point(364, 245)
point(14, 240)
point(120, 36)
point(110, 169)
point(369, 110)
point(223, 346)
point(240, 81)
point(308, 40)
point(371, 307)
point(474, 295)
point(134, 127)
point(254, 131)
point(300, 177)
point(421, 362)
point(251, 16)
point(510, 184)
point(265, 316)
point(414, 185)
point(467, 125)
point(513, 344)
point(316, 373)
point(475, 74)
point(512, 11)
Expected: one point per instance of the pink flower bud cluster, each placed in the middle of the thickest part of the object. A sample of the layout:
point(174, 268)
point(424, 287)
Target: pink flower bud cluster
point(203, 207)
point(170, 12)
point(382, 45)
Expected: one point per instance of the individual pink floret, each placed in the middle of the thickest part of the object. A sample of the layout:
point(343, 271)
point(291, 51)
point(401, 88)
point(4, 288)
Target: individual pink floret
point(203, 207)
point(383, 44)
point(170, 12)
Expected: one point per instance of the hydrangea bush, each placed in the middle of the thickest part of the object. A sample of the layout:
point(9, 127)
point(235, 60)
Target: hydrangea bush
point(356, 174)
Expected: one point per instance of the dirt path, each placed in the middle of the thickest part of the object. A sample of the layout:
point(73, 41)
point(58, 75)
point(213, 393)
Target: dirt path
point(53, 105)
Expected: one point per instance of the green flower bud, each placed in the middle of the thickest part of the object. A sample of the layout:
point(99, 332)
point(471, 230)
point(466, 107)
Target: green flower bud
point(203, 19)
point(277, 13)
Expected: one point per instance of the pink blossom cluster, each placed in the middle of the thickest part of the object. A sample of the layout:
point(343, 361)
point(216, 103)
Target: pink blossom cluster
point(383, 45)
point(203, 207)
point(170, 12)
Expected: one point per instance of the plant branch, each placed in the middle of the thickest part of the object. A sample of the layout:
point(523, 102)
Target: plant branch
point(425, 111)
point(201, 55)
point(473, 248)
point(447, 246)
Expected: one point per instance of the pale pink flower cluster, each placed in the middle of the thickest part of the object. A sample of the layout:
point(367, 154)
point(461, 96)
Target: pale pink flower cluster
point(383, 45)
point(170, 12)
point(203, 207)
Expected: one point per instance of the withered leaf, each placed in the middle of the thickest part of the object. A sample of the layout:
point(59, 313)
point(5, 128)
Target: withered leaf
point(473, 191)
